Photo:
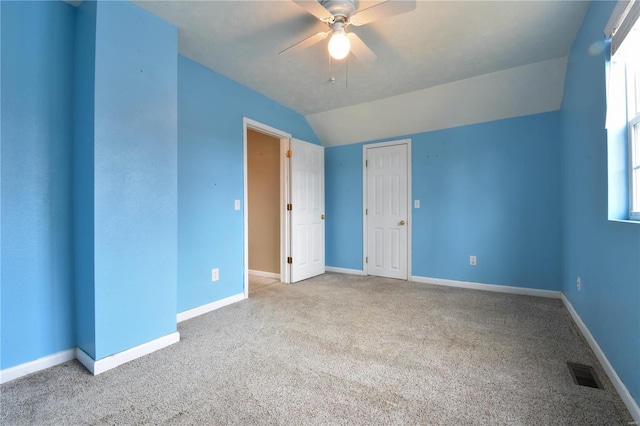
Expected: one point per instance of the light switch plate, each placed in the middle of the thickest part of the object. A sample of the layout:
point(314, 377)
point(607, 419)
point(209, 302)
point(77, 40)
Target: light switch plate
point(416, 204)
point(237, 205)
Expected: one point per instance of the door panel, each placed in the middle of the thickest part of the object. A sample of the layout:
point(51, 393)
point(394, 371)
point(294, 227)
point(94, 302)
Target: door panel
point(307, 200)
point(387, 198)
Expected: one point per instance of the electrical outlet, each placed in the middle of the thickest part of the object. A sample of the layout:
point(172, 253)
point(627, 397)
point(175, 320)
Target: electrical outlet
point(215, 274)
point(579, 284)
point(473, 261)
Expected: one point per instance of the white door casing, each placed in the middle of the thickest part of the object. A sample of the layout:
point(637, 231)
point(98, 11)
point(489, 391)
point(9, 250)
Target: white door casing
point(284, 194)
point(387, 211)
point(307, 213)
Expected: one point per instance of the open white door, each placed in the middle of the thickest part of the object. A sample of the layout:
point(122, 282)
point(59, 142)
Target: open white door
point(307, 210)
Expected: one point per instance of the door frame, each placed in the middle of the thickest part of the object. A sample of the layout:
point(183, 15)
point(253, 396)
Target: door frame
point(284, 137)
point(407, 142)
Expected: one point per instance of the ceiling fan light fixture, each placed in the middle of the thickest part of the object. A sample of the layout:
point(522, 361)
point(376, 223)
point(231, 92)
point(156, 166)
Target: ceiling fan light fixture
point(339, 45)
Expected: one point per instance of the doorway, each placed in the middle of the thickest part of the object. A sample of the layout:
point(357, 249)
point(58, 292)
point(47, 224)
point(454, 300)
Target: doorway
point(301, 205)
point(263, 206)
point(387, 209)
point(256, 129)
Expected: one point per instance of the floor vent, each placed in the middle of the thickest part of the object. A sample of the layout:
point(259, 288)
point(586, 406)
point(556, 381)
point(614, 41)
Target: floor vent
point(584, 375)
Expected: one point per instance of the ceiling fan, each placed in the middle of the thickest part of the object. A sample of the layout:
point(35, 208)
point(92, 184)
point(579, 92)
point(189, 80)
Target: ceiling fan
point(338, 15)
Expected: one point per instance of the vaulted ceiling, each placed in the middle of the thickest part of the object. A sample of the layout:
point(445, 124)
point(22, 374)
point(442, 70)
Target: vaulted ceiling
point(438, 43)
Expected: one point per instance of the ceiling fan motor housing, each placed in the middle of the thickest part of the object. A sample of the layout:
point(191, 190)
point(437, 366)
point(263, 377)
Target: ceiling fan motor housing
point(340, 8)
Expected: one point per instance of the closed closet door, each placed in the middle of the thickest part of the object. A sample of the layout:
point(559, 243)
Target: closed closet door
point(387, 208)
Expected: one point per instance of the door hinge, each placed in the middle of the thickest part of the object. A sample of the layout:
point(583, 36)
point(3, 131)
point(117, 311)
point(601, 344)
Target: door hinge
point(289, 260)
point(366, 163)
point(366, 211)
point(289, 154)
point(366, 259)
point(289, 207)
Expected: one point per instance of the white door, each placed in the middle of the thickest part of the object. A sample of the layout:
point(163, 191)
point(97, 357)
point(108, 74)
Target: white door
point(386, 215)
point(307, 210)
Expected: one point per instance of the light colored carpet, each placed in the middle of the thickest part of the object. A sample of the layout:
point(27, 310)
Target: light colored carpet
point(256, 283)
point(341, 349)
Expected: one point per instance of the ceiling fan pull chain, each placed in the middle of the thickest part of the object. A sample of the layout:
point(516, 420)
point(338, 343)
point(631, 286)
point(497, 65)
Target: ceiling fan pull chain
point(332, 79)
point(346, 75)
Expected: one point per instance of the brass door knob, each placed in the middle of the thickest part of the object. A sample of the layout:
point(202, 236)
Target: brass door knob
point(402, 222)
point(323, 217)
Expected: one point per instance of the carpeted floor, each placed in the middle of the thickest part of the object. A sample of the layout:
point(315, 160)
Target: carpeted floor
point(257, 283)
point(340, 349)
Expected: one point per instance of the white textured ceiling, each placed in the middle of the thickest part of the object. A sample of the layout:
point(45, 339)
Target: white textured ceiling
point(438, 43)
point(525, 90)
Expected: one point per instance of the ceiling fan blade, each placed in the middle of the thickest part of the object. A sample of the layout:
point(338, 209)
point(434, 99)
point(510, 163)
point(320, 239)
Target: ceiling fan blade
point(316, 9)
point(382, 10)
point(361, 50)
point(307, 42)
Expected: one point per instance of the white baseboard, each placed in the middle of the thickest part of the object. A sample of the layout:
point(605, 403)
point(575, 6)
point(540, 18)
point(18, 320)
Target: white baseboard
point(111, 362)
point(264, 274)
point(20, 370)
point(622, 390)
point(191, 313)
point(628, 400)
point(489, 287)
point(344, 270)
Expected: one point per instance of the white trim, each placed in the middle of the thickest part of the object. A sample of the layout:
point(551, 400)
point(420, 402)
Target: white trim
point(245, 213)
point(264, 274)
point(12, 373)
point(200, 310)
point(621, 9)
point(264, 128)
point(488, 287)
point(409, 209)
point(626, 397)
point(622, 390)
point(113, 361)
point(365, 241)
point(285, 215)
point(344, 270)
point(365, 147)
point(85, 359)
point(632, 147)
point(284, 137)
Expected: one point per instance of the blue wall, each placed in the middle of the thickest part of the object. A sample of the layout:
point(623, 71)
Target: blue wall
point(107, 98)
point(605, 254)
point(135, 177)
point(343, 204)
point(125, 193)
point(83, 171)
point(37, 317)
point(490, 190)
point(210, 177)
point(527, 195)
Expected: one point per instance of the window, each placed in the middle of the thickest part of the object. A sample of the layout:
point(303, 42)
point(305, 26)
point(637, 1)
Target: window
point(630, 54)
point(634, 181)
point(625, 63)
